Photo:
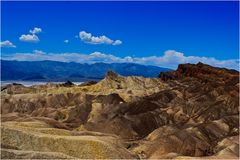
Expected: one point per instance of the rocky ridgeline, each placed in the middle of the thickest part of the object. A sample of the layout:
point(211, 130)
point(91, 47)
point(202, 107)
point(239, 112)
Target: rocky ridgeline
point(203, 73)
point(191, 112)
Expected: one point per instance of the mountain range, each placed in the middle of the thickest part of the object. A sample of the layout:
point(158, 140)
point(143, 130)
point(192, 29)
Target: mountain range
point(53, 70)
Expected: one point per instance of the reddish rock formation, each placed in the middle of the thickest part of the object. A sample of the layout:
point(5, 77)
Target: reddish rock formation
point(203, 73)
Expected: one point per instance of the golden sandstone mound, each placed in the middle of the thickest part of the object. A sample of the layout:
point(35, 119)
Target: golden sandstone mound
point(49, 142)
point(190, 113)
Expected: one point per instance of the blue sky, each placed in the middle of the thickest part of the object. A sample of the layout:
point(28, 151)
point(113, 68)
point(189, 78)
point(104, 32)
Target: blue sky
point(140, 32)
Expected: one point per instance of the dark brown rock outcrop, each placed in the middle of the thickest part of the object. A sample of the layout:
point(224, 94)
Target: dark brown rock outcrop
point(67, 84)
point(203, 73)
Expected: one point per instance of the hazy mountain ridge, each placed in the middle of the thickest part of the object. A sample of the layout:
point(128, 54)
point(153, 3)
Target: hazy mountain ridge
point(53, 70)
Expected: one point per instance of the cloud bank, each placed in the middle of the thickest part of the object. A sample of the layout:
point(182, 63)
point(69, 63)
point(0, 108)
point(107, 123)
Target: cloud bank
point(31, 37)
point(89, 38)
point(7, 44)
point(170, 59)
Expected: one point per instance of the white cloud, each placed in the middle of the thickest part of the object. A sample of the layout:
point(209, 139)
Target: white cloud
point(38, 52)
point(117, 42)
point(35, 30)
point(66, 41)
point(7, 44)
point(31, 37)
point(89, 38)
point(170, 59)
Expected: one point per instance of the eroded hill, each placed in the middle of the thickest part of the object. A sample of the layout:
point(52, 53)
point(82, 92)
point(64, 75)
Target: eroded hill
point(191, 112)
